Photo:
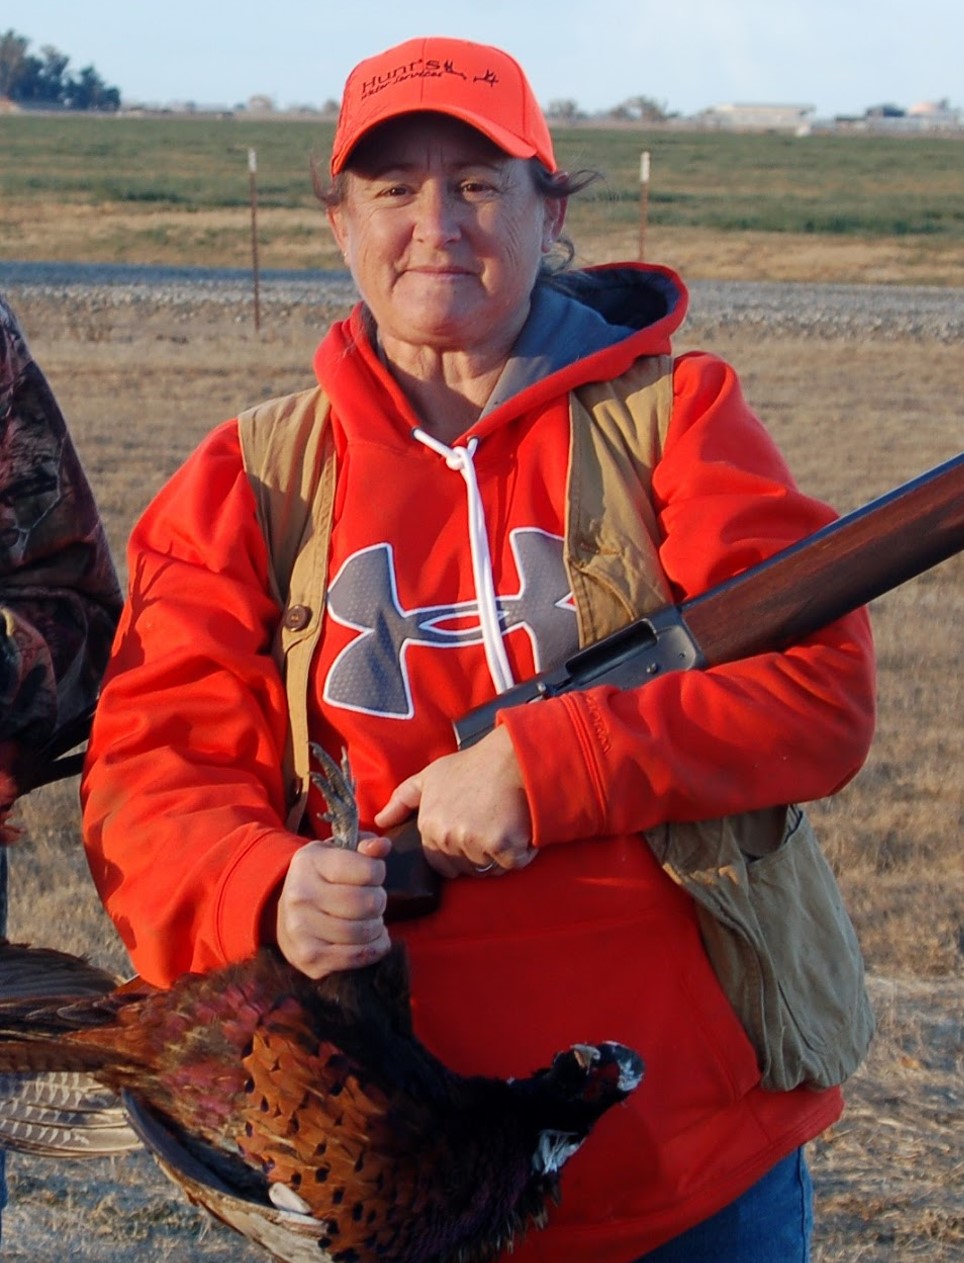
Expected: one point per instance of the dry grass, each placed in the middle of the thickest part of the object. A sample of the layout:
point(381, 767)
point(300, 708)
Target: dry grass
point(711, 254)
point(115, 233)
point(854, 420)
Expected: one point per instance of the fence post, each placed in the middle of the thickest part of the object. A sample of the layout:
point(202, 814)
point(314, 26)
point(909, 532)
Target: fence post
point(643, 202)
point(252, 180)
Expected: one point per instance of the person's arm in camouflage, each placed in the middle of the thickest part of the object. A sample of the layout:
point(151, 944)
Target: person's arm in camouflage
point(59, 596)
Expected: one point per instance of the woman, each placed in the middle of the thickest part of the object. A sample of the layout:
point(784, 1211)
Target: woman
point(466, 533)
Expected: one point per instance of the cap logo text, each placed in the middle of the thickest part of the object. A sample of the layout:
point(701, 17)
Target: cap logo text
point(423, 68)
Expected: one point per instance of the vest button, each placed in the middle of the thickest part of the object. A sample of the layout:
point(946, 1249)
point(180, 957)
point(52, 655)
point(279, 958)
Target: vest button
point(297, 617)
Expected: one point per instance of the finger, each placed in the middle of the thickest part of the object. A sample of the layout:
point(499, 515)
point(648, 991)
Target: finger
point(403, 803)
point(497, 863)
point(445, 865)
point(526, 858)
point(317, 943)
point(306, 904)
point(342, 917)
point(317, 959)
point(348, 931)
point(341, 867)
point(375, 847)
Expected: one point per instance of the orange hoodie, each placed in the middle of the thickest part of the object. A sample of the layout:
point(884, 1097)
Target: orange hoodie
point(183, 797)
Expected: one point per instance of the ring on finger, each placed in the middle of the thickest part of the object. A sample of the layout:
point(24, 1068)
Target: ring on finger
point(485, 868)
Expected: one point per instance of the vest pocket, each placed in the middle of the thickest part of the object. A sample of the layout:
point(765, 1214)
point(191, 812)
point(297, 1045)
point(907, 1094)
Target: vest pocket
point(782, 945)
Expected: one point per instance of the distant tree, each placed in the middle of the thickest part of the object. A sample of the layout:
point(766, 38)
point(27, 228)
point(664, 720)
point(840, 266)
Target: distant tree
point(564, 111)
point(44, 80)
point(89, 92)
point(640, 109)
point(52, 78)
point(13, 55)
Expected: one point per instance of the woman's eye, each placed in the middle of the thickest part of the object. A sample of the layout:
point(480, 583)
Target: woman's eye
point(476, 188)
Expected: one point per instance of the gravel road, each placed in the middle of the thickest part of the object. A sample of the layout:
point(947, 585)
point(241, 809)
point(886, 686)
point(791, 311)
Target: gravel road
point(821, 311)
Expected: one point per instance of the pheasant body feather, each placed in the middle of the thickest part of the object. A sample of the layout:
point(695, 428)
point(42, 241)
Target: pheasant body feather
point(317, 1096)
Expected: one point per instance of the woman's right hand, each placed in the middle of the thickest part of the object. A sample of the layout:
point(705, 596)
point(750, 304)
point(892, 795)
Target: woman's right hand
point(332, 905)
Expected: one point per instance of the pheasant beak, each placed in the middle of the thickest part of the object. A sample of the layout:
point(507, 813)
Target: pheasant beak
point(585, 1054)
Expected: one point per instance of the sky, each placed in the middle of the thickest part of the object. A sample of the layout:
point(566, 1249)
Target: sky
point(838, 56)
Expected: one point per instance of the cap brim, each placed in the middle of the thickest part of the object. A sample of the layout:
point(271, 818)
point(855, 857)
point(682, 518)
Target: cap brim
point(500, 136)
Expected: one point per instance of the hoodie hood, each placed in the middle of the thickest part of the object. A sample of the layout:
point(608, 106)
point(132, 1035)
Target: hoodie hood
point(583, 326)
point(591, 325)
point(634, 295)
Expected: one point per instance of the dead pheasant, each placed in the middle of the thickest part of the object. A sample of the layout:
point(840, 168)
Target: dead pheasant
point(308, 1116)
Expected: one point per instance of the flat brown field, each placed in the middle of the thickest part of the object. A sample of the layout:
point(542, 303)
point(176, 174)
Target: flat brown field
point(855, 419)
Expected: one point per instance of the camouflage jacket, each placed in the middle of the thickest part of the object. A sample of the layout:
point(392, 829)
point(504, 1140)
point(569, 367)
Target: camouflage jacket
point(59, 596)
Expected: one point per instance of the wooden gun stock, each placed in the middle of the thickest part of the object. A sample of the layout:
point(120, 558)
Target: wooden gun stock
point(847, 564)
point(772, 605)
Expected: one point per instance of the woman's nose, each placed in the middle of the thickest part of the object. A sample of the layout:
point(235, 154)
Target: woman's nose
point(437, 220)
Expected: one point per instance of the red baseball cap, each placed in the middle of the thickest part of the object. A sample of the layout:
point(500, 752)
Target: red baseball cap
point(480, 85)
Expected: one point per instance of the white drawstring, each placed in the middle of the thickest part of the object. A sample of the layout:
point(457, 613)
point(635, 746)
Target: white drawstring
point(460, 458)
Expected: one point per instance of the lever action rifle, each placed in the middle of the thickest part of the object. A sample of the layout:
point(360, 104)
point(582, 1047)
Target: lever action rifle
point(769, 607)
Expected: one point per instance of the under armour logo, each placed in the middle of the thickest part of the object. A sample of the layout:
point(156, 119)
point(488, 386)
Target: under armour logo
point(370, 673)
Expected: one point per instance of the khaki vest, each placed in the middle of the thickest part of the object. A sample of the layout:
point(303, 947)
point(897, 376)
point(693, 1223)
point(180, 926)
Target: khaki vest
point(770, 912)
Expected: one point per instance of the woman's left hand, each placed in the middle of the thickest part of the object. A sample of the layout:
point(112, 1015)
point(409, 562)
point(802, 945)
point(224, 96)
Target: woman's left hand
point(472, 810)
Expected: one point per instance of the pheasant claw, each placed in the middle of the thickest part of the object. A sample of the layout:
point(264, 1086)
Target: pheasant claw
point(337, 786)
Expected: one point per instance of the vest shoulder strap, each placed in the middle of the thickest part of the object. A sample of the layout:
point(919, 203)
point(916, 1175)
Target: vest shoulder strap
point(618, 431)
point(288, 456)
point(282, 443)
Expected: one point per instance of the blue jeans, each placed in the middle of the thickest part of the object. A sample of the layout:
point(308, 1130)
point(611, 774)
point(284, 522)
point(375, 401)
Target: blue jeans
point(770, 1223)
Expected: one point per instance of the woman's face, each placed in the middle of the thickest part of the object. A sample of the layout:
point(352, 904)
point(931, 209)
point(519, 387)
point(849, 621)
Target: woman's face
point(444, 234)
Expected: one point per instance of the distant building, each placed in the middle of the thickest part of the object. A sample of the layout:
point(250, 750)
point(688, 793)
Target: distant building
point(925, 118)
point(795, 119)
point(151, 109)
point(935, 115)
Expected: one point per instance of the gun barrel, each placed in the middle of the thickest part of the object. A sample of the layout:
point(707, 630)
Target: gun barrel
point(826, 575)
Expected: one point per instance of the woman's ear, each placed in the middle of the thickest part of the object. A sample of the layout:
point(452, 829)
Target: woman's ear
point(555, 217)
point(336, 221)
